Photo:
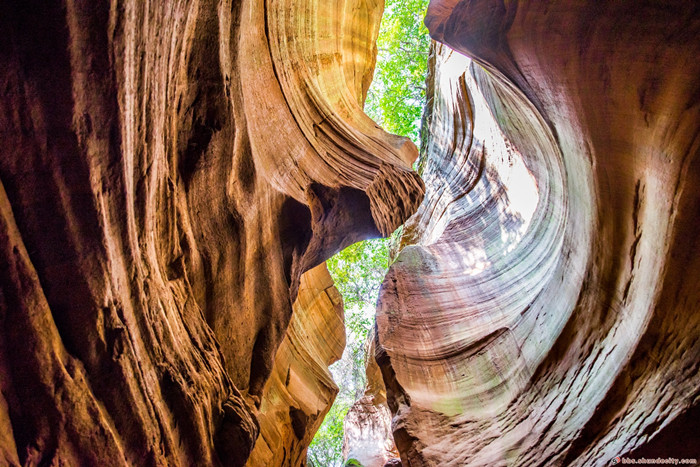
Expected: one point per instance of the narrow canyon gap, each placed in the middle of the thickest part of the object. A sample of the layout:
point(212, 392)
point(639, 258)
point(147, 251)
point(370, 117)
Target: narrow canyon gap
point(173, 177)
point(357, 428)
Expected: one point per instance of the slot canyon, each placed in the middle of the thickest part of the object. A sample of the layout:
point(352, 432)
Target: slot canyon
point(174, 175)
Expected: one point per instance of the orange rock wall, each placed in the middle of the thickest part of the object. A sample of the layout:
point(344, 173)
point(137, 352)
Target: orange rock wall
point(301, 390)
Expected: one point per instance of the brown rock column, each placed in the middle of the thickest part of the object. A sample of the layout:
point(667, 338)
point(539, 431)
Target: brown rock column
point(301, 390)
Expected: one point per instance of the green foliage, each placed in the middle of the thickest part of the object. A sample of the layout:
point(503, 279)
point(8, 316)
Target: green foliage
point(358, 271)
point(397, 95)
point(327, 446)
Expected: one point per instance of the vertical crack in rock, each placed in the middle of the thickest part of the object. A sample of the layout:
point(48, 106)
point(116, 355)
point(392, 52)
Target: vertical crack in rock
point(544, 308)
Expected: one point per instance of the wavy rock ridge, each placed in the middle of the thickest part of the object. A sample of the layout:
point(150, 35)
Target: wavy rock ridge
point(544, 309)
point(168, 172)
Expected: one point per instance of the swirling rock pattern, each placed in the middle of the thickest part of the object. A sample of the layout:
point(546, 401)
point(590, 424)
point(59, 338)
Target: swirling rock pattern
point(545, 308)
point(168, 171)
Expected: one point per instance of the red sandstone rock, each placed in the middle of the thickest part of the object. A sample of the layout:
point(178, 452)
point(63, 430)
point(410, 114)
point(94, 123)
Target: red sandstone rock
point(168, 170)
point(367, 433)
point(546, 310)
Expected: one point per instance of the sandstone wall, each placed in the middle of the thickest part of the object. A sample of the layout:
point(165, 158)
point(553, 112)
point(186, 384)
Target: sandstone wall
point(545, 310)
point(301, 390)
point(168, 170)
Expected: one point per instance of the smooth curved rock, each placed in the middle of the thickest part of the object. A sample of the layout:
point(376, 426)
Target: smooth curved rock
point(301, 390)
point(545, 307)
point(168, 171)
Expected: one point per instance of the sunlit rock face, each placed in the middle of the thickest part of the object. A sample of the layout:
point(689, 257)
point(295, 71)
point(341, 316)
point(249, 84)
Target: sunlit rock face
point(545, 307)
point(168, 171)
point(300, 390)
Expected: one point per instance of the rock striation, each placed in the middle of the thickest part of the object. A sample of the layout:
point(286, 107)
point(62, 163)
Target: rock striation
point(300, 390)
point(168, 171)
point(544, 309)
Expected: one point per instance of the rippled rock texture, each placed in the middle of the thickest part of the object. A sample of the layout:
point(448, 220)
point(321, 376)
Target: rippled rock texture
point(168, 171)
point(545, 310)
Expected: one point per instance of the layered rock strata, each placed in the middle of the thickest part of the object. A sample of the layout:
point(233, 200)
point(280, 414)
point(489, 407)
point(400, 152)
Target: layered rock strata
point(301, 389)
point(545, 311)
point(168, 171)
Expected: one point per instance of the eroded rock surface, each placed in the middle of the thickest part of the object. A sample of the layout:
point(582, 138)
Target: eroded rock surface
point(301, 389)
point(168, 171)
point(368, 440)
point(546, 308)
